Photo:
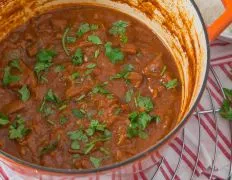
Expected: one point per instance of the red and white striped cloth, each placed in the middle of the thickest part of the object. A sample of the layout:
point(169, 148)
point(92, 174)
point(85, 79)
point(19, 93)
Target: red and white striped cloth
point(221, 60)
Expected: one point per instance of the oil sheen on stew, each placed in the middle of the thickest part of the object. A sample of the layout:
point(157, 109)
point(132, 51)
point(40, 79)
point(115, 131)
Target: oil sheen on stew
point(85, 87)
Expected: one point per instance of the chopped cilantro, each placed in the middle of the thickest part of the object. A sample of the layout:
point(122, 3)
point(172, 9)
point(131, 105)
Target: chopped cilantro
point(15, 64)
point(4, 120)
point(88, 148)
point(100, 89)
point(119, 29)
point(163, 71)
point(18, 130)
point(44, 60)
point(8, 78)
point(49, 148)
point(63, 120)
point(52, 97)
point(59, 68)
point(85, 27)
point(78, 135)
point(96, 53)
point(228, 94)
point(124, 73)
point(91, 66)
point(129, 95)
point(96, 162)
point(81, 97)
point(75, 75)
point(78, 113)
point(115, 55)
point(25, 93)
point(77, 58)
point(95, 126)
point(171, 84)
point(75, 145)
point(94, 39)
point(104, 150)
point(145, 103)
point(138, 123)
point(88, 72)
point(226, 110)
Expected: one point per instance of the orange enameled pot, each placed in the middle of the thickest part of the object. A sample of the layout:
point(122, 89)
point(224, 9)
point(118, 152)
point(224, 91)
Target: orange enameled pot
point(181, 28)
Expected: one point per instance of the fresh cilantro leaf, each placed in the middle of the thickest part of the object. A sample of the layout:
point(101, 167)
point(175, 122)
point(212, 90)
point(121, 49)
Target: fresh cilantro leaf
point(95, 126)
point(145, 103)
point(15, 64)
point(78, 113)
point(18, 130)
point(115, 55)
point(226, 110)
point(64, 40)
point(8, 78)
point(128, 68)
point(77, 58)
point(49, 148)
point(171, 84)
point(88, 148)
point(228, 94)
point(4, 120)
point(59, 68)
point(76, 156)
point(91, 66)
point(44, 60)
point(100, 89)
point(52, 97)
point(81, 97)
point(96, 53)
point(94, 39)
point(75, 145)
point(96, 162)
point(124, 73)
point(25, 93)
point(138, 123)
point(85, 27)
point(104, 150)
point(75, 75)
point(47, 111)
point(129, 95)
point(63, 120)
point(78, 135)
point(119, 29)
point(88, 72)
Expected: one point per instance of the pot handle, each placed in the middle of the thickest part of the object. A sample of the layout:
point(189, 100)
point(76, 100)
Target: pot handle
point(222, 22)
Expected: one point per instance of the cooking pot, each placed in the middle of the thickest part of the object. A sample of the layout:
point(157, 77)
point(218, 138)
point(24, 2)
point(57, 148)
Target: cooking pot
point(179, 26)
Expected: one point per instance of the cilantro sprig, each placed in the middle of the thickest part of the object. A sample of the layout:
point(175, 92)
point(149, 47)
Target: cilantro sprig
point(226, 109)
point(18, 129)
point(138, 123)
point(119, 29)
point(43, 61)
point(24, 93)
point(115, 55)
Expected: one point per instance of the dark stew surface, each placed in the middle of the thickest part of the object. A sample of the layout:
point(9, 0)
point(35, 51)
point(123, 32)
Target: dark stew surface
point(85, 87)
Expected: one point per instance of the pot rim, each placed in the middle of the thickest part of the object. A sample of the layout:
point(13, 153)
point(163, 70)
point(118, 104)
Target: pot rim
point(137, 156)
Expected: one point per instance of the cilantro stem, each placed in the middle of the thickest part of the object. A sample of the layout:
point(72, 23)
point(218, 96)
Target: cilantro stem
point(64, 41)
